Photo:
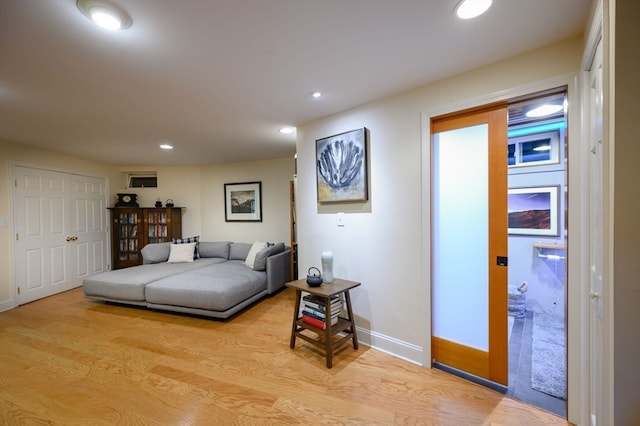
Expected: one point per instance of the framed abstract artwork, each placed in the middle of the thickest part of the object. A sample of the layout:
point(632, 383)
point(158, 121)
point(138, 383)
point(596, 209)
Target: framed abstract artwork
point(243, 202)
point(533, 211)
point(341, 167)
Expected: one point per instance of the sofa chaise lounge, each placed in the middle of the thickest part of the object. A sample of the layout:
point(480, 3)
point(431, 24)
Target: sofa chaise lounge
point(217, 279)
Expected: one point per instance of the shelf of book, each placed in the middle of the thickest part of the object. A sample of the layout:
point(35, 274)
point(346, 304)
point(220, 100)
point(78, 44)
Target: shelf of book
point(310, 315)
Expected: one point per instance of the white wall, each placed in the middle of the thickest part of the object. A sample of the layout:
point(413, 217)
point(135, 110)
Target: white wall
point(200, 190)
point(275, 176)
point(380, 245)
point(183, 185)
point(623, 119)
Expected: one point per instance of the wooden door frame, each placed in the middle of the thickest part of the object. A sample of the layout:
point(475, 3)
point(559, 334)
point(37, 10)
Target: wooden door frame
point(577, 269)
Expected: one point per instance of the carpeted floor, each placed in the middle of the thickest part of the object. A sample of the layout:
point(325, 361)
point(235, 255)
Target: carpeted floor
point(548, 371)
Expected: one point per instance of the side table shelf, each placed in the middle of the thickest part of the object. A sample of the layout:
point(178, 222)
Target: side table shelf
point(326, 338)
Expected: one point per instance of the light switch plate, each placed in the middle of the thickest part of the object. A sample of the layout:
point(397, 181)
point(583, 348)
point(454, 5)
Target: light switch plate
point(341, 220)
point(4, 222)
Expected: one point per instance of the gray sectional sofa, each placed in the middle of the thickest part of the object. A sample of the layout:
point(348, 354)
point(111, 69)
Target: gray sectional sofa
point(218, 282)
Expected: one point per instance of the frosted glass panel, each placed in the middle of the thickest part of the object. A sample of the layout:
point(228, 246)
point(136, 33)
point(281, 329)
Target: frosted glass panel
point(460, 236)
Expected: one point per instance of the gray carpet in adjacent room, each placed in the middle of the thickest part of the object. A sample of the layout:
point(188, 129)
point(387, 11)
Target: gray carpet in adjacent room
point(548, 371)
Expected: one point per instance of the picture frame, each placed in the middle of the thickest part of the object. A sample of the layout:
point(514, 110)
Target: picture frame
point(243, 202)
point(341, 167)
point(533, 211)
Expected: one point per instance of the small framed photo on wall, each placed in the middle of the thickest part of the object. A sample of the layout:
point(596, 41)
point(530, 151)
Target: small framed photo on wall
point(533, 211)
point(243, 202)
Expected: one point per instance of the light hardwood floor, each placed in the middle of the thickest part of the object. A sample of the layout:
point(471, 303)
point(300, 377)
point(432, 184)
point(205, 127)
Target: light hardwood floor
point(65, 360)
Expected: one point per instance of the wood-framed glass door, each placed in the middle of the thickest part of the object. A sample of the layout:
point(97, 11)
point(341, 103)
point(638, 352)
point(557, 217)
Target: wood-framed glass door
point(469, 244)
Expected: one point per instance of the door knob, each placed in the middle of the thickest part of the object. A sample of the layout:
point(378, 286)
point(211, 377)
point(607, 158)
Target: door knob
point(594, 294)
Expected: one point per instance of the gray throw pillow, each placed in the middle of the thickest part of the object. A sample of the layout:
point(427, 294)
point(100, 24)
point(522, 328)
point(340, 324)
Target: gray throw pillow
point(156, 252)
point(260, 263)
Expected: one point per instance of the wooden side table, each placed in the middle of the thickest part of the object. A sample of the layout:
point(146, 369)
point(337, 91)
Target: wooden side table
point(326, 339)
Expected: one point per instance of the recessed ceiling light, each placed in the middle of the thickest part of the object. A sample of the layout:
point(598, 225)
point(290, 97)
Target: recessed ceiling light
point(544, 110)
point(469, 9)
point(286, 130)
point(166, 146)
point(105, 14)
point(316, 95)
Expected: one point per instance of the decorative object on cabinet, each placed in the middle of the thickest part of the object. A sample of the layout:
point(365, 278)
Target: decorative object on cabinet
point(243, 202)
point(158, 202)
point(132, 228)
point(533, 211)
point(314, 279)
point(127, 200)
point(341, 162)
point(327, 266)
point(169, 203)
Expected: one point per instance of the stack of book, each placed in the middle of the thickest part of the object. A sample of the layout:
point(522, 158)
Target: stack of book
point(313, 310)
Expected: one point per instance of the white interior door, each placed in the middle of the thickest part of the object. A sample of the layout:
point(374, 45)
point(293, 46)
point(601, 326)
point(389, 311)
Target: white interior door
point(60, 231)
point(596, 242)
point(88, 216)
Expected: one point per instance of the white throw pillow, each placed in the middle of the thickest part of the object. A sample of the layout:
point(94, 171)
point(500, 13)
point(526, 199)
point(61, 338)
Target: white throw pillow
point(253, 251)
point(181, 253)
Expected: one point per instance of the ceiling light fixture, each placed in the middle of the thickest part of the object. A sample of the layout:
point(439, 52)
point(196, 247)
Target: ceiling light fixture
point(316, 95)
point(166, 146)
point(105, 14)
point(544, 110)
point(469, 9)
point(286, 130)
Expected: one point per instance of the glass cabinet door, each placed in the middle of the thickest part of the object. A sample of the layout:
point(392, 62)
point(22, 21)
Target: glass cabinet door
point(128, 230)
point(157, 226)
point(126, 236)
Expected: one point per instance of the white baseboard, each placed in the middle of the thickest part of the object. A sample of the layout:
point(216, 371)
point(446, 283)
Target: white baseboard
point(403, 350)
point(5, 305)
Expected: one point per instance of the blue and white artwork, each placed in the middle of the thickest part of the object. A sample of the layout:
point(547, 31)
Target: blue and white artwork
point(341, 162)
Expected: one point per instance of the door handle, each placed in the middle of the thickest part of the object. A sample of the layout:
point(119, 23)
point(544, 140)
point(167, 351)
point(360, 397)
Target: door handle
point(502, 261)
point(73, 238)
point(594, 294)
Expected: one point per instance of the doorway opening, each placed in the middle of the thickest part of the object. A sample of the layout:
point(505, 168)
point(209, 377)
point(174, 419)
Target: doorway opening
point(503, 324)
point(537, 276)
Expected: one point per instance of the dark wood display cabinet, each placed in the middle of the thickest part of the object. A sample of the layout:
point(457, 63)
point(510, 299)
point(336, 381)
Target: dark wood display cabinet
point(134, 227)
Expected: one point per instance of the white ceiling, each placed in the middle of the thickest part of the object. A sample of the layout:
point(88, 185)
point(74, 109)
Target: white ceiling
point(219, 78)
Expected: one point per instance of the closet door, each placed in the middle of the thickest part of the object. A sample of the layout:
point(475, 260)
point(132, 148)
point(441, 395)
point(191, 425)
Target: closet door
point(60, 231)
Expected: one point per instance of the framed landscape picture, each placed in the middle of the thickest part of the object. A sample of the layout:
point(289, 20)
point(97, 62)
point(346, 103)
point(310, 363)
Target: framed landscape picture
point(243, 202)
point(341, 163)
point(533, 211)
